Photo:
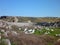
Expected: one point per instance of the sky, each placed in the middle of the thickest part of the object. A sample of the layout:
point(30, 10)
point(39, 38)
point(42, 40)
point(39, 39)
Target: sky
point(30, 8)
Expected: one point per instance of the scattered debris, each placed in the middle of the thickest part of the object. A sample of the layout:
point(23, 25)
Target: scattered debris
point(31, 31)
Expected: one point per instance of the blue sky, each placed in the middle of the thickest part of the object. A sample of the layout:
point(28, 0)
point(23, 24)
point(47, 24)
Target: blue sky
point(32, 8)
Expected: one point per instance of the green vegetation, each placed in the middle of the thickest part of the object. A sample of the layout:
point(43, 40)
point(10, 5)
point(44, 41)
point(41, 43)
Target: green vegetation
point(13, 43)
point(52, 33)
point(50, 43)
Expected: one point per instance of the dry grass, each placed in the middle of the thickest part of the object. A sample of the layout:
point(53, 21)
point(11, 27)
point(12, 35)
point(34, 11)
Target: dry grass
point(24, 39)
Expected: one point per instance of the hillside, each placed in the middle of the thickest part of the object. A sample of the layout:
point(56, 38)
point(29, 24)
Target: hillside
point(14, 35)
point(33, 19)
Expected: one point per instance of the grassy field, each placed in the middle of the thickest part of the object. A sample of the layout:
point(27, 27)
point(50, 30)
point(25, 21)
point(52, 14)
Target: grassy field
point(50, 31)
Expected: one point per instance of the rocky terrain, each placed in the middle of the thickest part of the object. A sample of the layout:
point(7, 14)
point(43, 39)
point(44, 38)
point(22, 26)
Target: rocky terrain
point(15, 35)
